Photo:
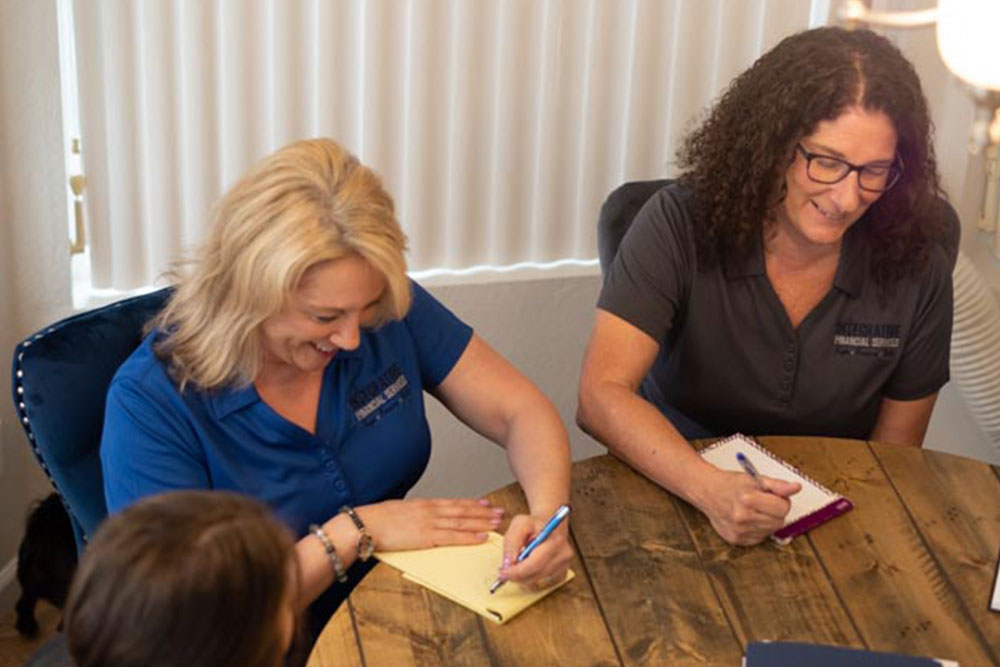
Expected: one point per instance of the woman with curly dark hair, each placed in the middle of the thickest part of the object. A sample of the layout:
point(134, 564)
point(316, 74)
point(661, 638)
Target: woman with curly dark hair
point(792, 281)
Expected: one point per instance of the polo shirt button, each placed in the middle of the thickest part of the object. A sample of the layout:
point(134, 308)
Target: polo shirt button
point(340, 486)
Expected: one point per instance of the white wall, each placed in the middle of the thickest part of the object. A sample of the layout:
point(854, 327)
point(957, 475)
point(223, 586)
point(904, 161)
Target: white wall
point(541, 324)
point(34, 272)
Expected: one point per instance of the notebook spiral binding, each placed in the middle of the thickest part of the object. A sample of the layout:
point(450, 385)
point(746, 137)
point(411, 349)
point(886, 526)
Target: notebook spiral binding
point(760, 448)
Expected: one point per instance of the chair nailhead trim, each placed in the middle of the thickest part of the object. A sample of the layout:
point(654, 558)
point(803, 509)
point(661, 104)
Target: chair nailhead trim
point(19, 374)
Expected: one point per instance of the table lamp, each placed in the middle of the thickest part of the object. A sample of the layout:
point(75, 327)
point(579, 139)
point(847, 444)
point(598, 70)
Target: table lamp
point(969, 45)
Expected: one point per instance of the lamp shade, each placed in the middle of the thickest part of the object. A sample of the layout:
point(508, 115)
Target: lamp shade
point(968, 35)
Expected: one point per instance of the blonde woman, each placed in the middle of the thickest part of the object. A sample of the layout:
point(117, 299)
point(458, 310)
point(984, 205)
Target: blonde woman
point(290, 365)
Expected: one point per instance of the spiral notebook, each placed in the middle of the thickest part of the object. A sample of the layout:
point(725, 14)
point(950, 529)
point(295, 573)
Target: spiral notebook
point(463, 574)
point(813, 505)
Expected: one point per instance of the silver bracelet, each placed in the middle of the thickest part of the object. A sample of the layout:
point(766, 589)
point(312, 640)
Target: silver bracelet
point(331, 553)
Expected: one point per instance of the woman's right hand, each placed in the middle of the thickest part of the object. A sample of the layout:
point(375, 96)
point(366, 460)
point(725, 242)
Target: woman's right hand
point(419, 523)
point(740, 512)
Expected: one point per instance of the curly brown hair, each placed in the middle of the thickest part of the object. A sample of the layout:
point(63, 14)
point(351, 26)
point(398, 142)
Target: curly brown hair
point(734, 162)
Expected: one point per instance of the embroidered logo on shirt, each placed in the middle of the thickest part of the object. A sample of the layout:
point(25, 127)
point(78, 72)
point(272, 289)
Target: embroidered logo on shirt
point(380, 396)
point(866, 338)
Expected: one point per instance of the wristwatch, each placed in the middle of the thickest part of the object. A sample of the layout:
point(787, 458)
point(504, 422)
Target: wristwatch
point(365, 543)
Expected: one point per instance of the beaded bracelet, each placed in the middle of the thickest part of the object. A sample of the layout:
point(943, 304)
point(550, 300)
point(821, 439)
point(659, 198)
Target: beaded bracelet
point(338, 566)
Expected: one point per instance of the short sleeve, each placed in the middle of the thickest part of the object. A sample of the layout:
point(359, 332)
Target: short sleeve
point(145, 448)
point(650, 278)
point(924, 367)
point(439, 336)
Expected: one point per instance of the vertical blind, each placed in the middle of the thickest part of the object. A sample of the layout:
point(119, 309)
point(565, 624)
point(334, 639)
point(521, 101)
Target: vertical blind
point(499, 126)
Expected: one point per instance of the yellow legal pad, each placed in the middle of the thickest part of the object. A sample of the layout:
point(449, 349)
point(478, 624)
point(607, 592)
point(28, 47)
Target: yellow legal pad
point(463, 574)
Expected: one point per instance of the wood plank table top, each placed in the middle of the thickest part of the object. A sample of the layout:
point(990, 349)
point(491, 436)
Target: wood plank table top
point(909, 570)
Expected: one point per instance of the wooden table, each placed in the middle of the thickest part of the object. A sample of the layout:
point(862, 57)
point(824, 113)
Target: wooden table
point(910, 569)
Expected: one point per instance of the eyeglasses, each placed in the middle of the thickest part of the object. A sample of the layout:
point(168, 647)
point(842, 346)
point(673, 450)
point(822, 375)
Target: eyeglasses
point(871, 178)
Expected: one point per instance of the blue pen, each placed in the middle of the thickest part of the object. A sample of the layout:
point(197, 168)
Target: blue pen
point(552, 524)
point(751, 470)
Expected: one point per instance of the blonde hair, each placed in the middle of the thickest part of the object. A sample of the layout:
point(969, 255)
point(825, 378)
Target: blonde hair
point(194, 578)
point(308, 203)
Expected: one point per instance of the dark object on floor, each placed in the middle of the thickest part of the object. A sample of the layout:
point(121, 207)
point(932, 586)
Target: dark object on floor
point(45, 562)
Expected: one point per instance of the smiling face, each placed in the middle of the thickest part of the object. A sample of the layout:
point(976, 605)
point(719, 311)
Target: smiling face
point(814, 215)
point(325, 314)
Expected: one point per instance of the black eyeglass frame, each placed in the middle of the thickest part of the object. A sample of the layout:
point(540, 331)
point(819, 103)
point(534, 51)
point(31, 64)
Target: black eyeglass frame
point(895, 169)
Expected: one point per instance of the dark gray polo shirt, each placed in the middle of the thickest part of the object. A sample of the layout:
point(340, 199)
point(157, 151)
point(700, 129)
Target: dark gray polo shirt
point(729, 358)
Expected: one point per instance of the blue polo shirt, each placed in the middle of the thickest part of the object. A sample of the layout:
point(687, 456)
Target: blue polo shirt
point(372, 441)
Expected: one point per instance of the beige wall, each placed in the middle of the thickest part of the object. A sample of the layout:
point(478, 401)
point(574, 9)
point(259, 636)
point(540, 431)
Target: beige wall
point(540, 324)
point(34, 272)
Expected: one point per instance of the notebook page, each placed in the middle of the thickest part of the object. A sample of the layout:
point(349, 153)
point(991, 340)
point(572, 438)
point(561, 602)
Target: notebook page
point(811, 498)
point(463, 574)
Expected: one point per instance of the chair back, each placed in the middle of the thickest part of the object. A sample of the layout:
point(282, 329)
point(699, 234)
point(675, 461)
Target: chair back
point(617, 213)
point(60, 379)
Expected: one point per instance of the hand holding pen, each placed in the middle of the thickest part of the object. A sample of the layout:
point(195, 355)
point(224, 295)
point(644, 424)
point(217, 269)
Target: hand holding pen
point(751, 470)
point(745, 513)
point(557, 518)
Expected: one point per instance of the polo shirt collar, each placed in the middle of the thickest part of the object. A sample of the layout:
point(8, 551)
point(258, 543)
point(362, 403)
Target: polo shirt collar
point(225, 402)
point(851, 272)
point(747, 264)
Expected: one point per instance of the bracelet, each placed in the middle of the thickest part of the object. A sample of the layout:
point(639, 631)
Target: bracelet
point(366, 545)
point(331, 553)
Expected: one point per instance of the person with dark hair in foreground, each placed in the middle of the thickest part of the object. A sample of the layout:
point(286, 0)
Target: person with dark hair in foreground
point(792, 281)
point(185, 579)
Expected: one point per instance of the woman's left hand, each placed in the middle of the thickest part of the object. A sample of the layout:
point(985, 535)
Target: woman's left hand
point(547, 564)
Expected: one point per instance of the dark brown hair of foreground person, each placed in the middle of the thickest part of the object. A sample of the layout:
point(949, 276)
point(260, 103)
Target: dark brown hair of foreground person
point(182, 579)
point(735, 161)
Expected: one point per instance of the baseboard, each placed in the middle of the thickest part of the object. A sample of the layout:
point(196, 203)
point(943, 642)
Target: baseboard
point(8, 587)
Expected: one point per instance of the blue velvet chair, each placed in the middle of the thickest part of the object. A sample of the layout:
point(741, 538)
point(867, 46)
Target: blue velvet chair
point(60, 379)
